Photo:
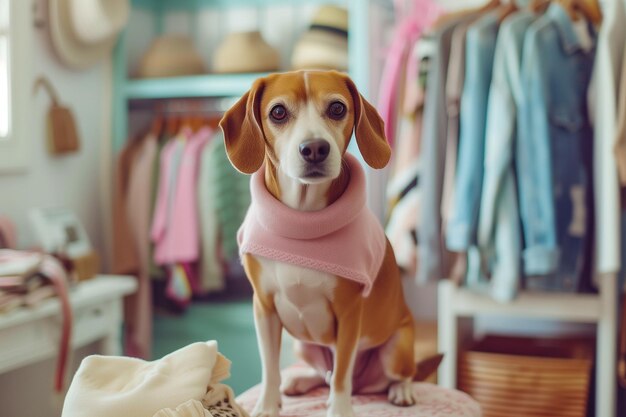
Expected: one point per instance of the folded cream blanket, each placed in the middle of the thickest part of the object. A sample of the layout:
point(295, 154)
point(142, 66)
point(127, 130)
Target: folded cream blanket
point(184, 383)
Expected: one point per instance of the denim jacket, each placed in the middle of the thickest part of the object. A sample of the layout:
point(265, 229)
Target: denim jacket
point(554, 148)
point(499, 234)
point(479, 49)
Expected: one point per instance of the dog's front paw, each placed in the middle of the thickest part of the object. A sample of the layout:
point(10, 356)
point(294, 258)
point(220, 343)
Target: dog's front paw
point(267, 406)
point(265, 411)
point(402, 394)
point(340, 406)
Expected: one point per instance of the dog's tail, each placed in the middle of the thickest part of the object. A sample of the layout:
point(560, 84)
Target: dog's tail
point(426, 367)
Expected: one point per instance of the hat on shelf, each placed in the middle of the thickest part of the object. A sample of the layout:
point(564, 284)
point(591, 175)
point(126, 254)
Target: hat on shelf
point(325, 44)
point(83, 32)
point(171, 56)
point(245, 52)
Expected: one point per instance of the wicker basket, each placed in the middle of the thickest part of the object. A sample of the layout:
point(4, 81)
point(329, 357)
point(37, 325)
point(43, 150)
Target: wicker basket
point(515, 376)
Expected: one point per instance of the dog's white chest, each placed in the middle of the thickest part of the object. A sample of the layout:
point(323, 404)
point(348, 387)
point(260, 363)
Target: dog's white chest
point(302, 298)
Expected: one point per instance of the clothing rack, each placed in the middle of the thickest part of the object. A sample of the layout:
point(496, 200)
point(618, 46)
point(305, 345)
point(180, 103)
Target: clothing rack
point(214, 106)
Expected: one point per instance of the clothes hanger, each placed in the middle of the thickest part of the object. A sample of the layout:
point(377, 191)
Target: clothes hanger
point(589, 9)
point(490, 5)
point(507, 10)
point(158, 123)
point(538, 6)
point(172, 125)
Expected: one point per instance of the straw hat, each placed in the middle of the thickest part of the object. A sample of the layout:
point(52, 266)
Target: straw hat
point(171, 56)
point(325, 44)
point(245, 52)
point(84, 31)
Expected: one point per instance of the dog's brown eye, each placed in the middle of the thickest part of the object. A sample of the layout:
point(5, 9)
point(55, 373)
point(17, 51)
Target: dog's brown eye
point(278, 113)
point(336, 110)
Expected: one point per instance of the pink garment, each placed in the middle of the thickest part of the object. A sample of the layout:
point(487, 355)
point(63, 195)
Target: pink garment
point(344, 239)
point(407, 33)
point(138, 321)
point(175, 228)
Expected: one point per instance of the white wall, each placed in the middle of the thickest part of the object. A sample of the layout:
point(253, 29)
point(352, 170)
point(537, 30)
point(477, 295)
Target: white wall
point(72, 181)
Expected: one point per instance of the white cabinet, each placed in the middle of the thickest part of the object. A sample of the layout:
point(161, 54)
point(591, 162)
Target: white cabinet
point(28, 336)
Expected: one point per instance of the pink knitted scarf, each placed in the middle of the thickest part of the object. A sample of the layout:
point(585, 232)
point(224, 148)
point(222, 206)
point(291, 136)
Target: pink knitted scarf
point(344, 239)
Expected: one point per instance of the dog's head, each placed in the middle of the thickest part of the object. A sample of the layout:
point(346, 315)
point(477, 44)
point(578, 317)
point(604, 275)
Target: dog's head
point(303, 121)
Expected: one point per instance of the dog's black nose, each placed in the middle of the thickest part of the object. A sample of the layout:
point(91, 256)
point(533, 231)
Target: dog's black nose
point(315, 150)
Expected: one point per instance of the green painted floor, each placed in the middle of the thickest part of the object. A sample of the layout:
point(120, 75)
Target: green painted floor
point(231, 324)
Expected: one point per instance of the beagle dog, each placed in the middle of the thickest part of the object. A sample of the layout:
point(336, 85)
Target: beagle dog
point(294, 128)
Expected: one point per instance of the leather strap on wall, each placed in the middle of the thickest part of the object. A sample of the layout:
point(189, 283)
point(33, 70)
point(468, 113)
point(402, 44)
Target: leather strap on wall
point(621, 358)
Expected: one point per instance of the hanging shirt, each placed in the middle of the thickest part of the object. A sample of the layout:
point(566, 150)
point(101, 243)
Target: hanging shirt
point(479, 49)
point(175, 226)
point(405, 36)
point(435, 123)
point(554, 148)
point(138, 323)
point(499, 234)
point(211, 263)
point(454, 89)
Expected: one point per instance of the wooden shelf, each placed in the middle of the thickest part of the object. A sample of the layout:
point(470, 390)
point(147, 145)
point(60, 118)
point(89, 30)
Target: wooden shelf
point(210, 85)
point(581, 308)
point(198, 4)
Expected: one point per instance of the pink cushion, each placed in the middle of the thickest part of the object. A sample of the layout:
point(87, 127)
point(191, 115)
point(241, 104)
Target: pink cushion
point(433, 401)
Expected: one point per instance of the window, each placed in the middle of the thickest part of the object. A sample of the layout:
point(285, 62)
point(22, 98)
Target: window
point(15, 75)
point(5, 116)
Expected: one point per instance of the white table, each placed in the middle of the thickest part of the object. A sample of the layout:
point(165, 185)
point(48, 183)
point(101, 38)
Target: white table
point(29, 335)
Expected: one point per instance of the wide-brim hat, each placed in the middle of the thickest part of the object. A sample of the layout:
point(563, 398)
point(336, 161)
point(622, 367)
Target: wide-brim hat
point(245, 52)
point(171, 56)
point(83, 32)
point(325, 44)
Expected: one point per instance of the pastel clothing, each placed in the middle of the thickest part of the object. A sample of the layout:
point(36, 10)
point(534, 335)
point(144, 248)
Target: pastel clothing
point(479, 49)
point(499, 232)
point(407, 33)
point(432, 258)
point(343, 239)
point(138, 321)
point(175, 225)
point(211, 269)
point(230, 194)
point(125, 257)
point(167, 183)
point(454, 91)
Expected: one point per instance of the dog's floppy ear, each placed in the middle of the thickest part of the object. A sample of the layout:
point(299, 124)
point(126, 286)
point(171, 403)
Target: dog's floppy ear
point(243, 134)
point(369, 130)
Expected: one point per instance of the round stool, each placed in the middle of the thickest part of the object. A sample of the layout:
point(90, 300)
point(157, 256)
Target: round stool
point(433, 401)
